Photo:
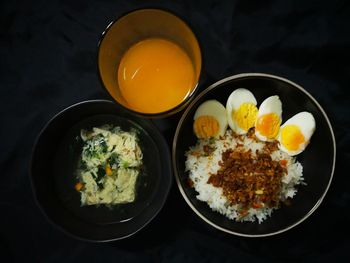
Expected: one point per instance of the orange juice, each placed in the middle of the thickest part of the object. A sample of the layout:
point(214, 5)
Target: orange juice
point(155, 75)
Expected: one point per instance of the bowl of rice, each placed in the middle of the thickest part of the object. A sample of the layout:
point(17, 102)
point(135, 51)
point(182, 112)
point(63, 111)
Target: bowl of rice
point(98, 172)
point(241, 182)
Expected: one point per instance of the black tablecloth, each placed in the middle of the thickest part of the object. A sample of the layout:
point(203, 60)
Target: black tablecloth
point(48, 62)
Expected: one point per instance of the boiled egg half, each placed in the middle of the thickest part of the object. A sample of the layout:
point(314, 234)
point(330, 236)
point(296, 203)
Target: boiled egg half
point(241, 110)
point(269, 119)
point(210, 120)
point(295, 133)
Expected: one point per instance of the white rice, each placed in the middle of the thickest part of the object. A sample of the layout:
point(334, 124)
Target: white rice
point(200, 168)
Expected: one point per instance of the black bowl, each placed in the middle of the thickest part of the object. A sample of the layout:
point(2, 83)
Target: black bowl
point(55, 158)
point(318, 159)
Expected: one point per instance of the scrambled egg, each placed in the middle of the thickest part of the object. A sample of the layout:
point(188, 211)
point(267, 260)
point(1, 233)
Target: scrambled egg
point(109, 166)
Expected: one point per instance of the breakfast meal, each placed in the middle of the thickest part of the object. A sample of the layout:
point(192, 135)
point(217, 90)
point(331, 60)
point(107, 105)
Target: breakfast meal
point(148, 82)
point(109, 166)
point(249, 170)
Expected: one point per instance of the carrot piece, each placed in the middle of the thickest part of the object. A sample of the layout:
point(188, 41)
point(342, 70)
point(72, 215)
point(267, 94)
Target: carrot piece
point(257, 205)
point(78, 186)
point(108, 170)
point(283, 162)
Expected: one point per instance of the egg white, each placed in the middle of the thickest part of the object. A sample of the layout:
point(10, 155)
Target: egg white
point(216, 110)
point(307, 125)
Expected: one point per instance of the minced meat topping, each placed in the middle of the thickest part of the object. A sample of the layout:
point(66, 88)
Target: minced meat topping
point(250, 180)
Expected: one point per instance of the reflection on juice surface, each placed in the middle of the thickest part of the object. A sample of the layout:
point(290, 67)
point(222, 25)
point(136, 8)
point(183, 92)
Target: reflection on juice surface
point(155, 75)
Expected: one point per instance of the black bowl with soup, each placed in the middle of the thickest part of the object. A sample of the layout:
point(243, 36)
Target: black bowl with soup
point(55, 165)
point(318, 159)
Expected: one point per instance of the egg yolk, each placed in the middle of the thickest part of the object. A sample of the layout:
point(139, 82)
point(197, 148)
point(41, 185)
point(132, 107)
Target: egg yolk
point(292, 137)
point(205, 127)
point(268, 125)
point(245, 116)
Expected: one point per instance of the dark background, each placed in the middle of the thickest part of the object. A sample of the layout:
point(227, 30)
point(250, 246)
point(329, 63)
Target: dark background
point(48, 62)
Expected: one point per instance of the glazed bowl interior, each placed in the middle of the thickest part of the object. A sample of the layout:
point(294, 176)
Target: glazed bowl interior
point(130, 29)
point(318, 160)
point(54, 166)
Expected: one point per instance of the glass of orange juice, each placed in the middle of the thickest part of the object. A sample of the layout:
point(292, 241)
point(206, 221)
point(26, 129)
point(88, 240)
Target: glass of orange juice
point(149, 61)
